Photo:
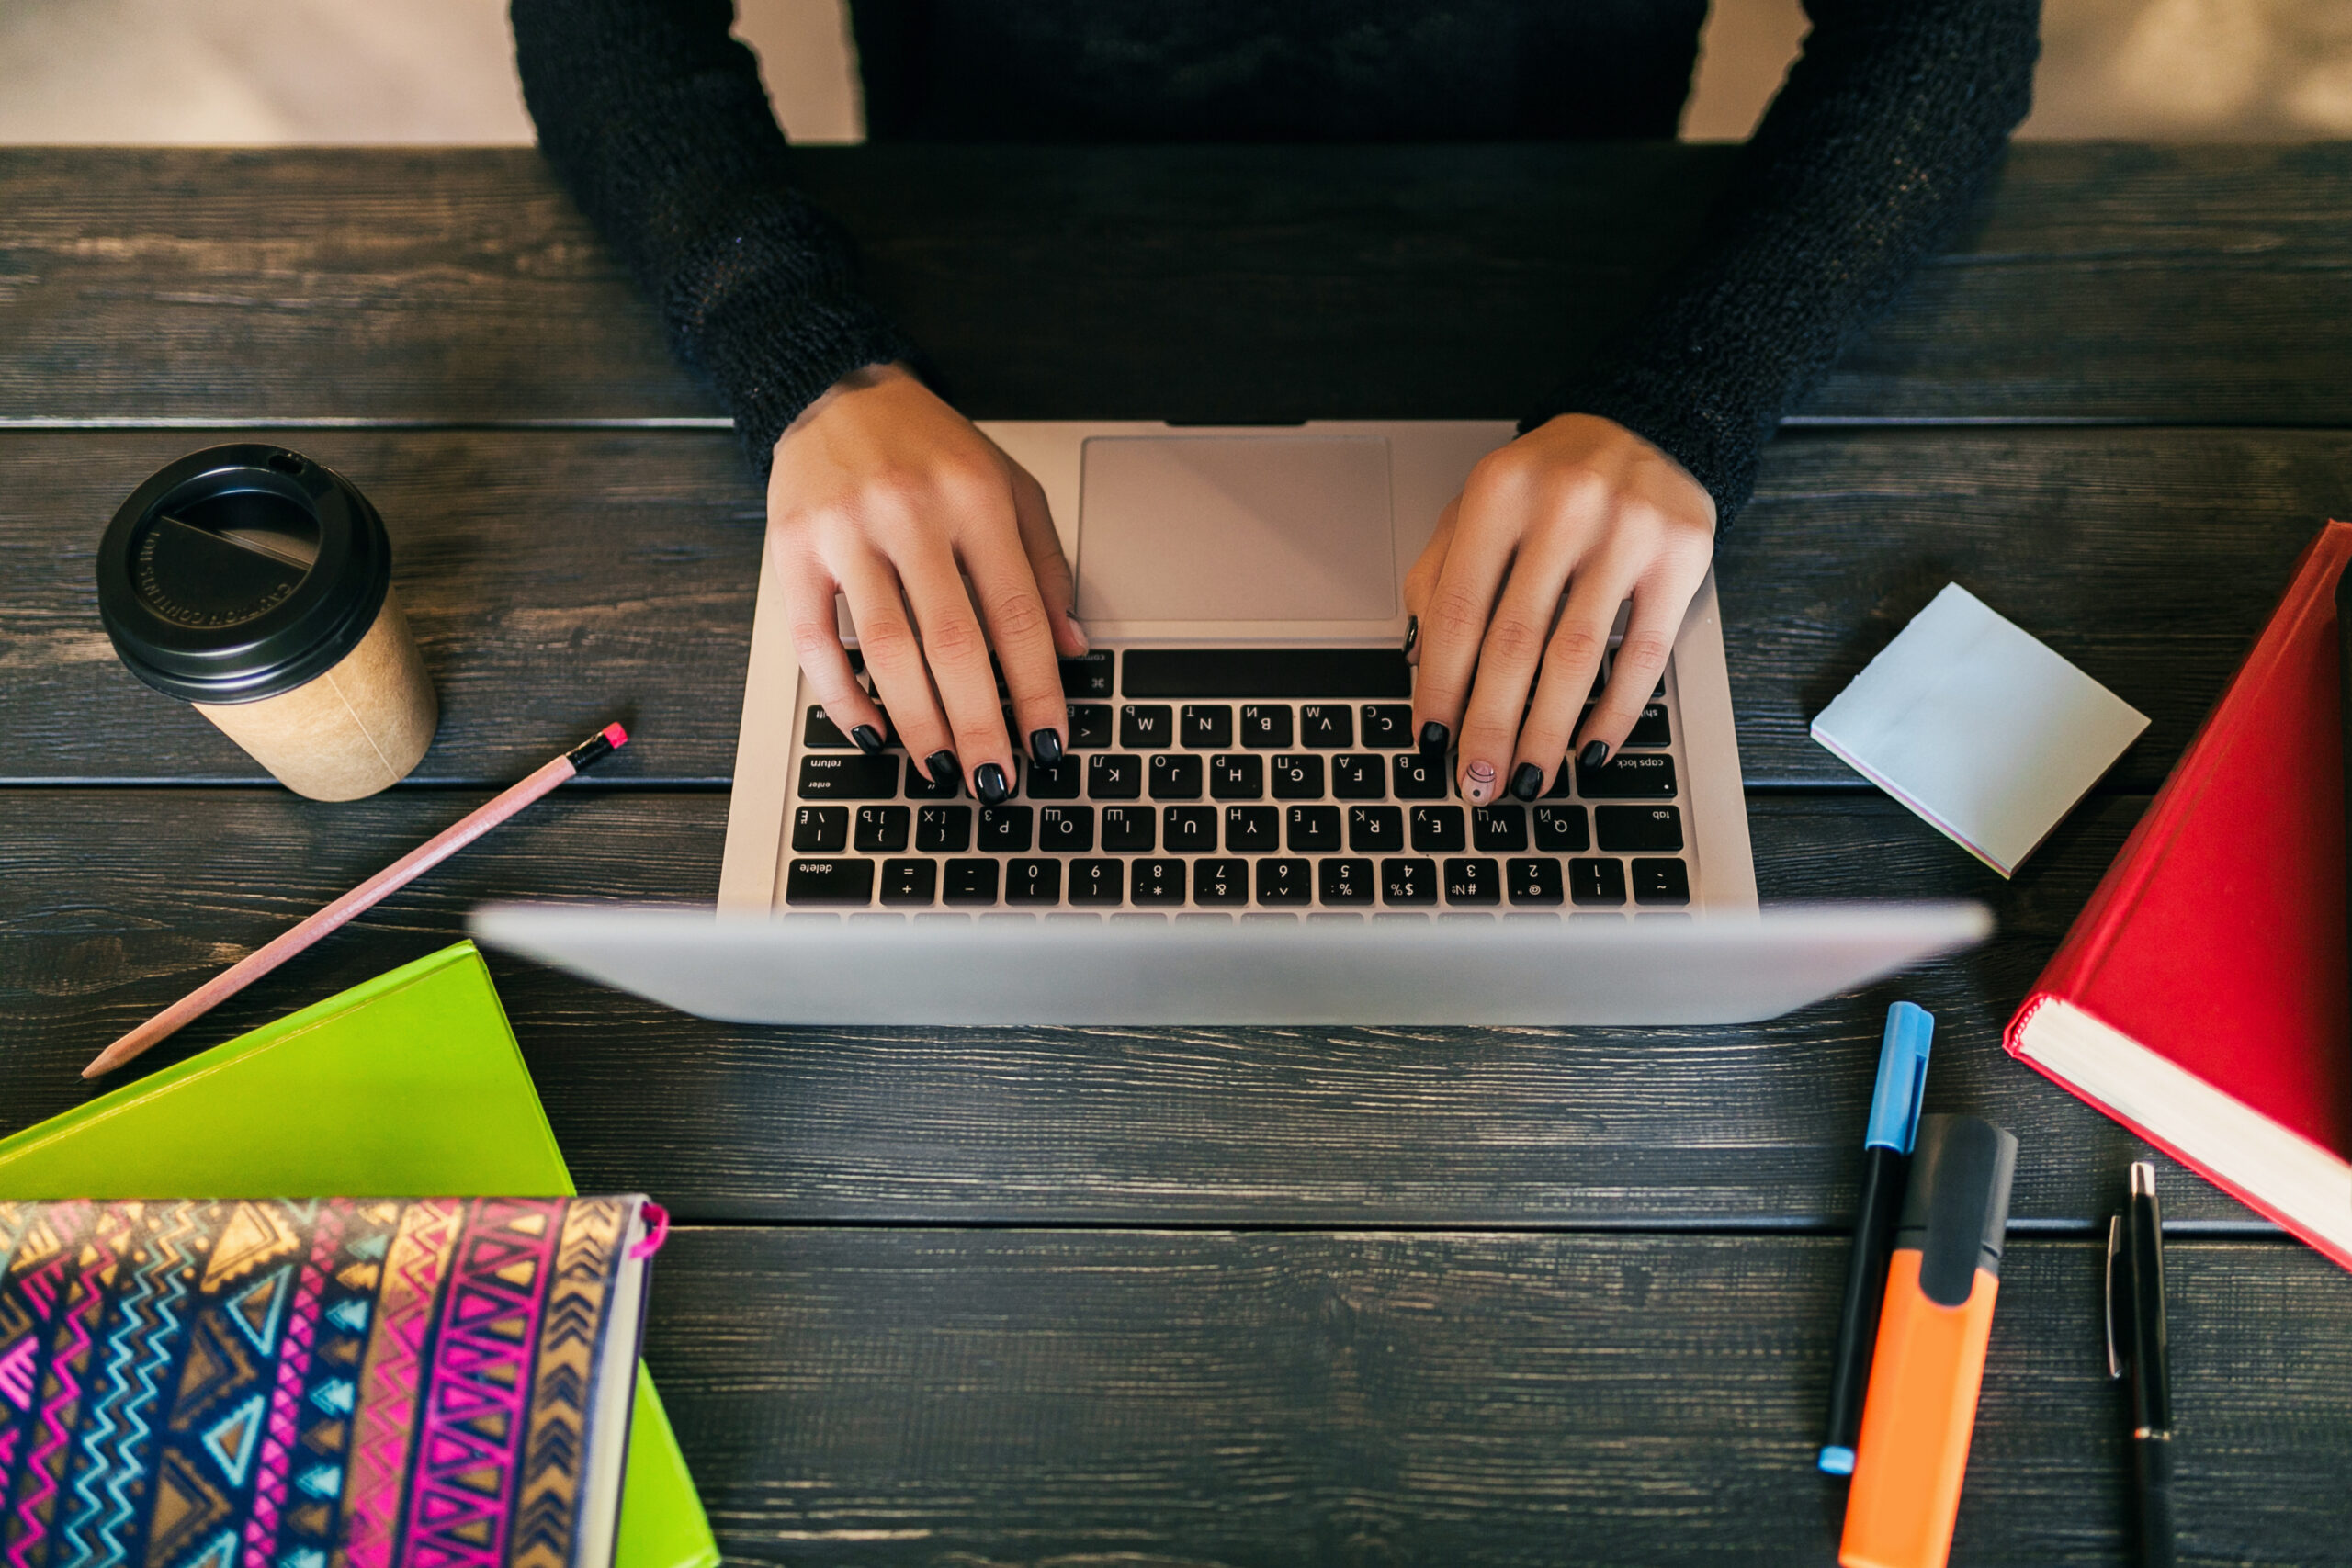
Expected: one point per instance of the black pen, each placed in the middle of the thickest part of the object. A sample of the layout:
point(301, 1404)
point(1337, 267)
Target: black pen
point(2135, 1348)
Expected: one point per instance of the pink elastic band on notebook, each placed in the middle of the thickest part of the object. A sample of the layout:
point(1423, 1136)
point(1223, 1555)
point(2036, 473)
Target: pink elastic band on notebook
point(657, 1230)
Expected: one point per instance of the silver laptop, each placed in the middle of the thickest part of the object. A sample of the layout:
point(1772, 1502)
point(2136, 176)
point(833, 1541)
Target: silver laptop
point(1243, 829)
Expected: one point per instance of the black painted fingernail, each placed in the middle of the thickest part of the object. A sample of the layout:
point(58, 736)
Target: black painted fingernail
point(1595, 753)
point(1527, 783)
point(941, 766)
point(1412, 634)
point(988, 783)
point(1435, 739)
point(1046, 746)
point(868, 738)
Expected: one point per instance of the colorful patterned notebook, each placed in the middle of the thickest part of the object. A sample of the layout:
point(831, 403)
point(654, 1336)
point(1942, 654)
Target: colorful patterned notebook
point(435, 1383)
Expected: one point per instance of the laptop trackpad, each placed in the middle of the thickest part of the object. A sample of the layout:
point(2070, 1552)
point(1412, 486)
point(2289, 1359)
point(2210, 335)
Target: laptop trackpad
point(1235, 528)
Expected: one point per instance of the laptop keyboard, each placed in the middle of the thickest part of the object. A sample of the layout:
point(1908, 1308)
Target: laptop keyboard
point(1224, 782)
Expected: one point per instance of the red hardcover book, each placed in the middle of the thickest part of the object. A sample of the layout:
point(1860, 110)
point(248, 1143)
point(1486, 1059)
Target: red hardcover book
point(2201, 999)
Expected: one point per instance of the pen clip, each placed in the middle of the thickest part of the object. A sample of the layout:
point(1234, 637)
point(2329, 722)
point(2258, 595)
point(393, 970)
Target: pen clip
point(2114, 1339)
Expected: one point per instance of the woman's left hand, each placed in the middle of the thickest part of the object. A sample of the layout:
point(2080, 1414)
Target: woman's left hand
point(1582, 504)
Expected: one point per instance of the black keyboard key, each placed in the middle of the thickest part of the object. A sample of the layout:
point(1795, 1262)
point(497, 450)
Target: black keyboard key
point(1408, 881)
point(1323, 672)
point(1088, 675)
point(1126, 829)
point(817, 829)
point(971, 882)
point(1191, 830)
point(1065, 830)
point(1298, 777)
point(1282, 884)
point(1236, 777)
point(838, 883)
point(1175, 776)
point(1417, 777)
point(1089, 726)
point(853, 777)
point(1597, 881)
point(920, 787)
point(1562, 827)
point(1498, 826)
point(909, 882)
point(1661, 882)
point(1327, 726)
point(1358, 775)
point(1157, 883)
point(1058, 782)
point(1636, 829)
point(1220, 883)
point(1265, 726)
point(1096, 883)
point(1535, 881)
point(824, 734)
point(882, 829)
point(1147, 727)
point(1003, 829)
point(1473, 881)
point(1375, 829)
point(1314, 830)
point(1345, 883)
point(1437, 829)
point(1207, 725)
point(1650, 729)
point(1563, 783)
point(1028, 880)
point(1387, 726)
point(1114, 776)
point(1637, 775)
point(1253, 828)
point(944, 829)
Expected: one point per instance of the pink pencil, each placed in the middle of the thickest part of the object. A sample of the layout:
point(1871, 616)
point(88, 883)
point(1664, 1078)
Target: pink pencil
point(423, 858)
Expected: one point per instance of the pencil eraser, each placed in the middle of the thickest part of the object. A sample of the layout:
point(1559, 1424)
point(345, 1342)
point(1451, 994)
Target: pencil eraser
point(1979, 727)
point(616, 735)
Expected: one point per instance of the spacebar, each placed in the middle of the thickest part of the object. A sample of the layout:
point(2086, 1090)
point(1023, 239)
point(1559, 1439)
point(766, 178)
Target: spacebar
point(1265, 672)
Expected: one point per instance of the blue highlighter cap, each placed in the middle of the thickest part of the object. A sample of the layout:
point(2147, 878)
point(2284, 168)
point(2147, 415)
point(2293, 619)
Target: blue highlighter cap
point(1902, 1080)
point(1837, 1460)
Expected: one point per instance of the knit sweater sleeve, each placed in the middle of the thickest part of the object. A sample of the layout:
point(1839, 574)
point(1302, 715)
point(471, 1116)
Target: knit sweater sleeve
point(655, 119)
point(1887, 127)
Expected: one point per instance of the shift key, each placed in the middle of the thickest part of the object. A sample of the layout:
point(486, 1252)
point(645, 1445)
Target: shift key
point(849, 777)
point(1632, 776)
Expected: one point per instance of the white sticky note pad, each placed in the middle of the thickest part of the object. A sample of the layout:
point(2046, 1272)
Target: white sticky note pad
point(1978, 727)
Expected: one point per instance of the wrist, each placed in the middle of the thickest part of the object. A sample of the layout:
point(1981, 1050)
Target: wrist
point(866, 377)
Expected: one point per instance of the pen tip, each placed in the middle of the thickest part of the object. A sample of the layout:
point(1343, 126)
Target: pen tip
point(2143, 1180)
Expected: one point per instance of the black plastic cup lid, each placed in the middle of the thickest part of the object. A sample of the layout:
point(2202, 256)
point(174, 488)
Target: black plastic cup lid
point(241, 573)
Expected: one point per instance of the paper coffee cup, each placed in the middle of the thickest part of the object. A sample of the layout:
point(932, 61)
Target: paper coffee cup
point(257, 585)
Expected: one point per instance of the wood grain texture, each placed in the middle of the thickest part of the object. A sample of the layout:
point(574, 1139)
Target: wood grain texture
point(2191, 285)
point(558, 580)
point(943, 1397)
point(118, 901)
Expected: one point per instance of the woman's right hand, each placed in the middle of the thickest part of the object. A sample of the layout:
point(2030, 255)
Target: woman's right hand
point(884, 494)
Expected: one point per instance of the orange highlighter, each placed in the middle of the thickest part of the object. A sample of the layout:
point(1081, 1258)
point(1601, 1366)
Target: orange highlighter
point(1921, 1407)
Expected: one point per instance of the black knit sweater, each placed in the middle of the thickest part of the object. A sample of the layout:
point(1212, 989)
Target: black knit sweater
point(1886, 127)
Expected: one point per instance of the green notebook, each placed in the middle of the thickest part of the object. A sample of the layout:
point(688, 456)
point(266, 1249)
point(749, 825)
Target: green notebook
point(408, 1086)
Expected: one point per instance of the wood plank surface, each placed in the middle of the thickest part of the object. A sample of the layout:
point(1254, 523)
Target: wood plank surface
point(2193, 285)
point(118, 901)
point(559, 578)
point(1270, 1399)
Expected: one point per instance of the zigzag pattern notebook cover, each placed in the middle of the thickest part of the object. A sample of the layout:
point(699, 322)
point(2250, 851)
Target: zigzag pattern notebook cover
point(323, 1383)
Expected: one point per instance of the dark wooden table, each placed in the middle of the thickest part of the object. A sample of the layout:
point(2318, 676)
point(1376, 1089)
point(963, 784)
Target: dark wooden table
point(1241, 1297)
